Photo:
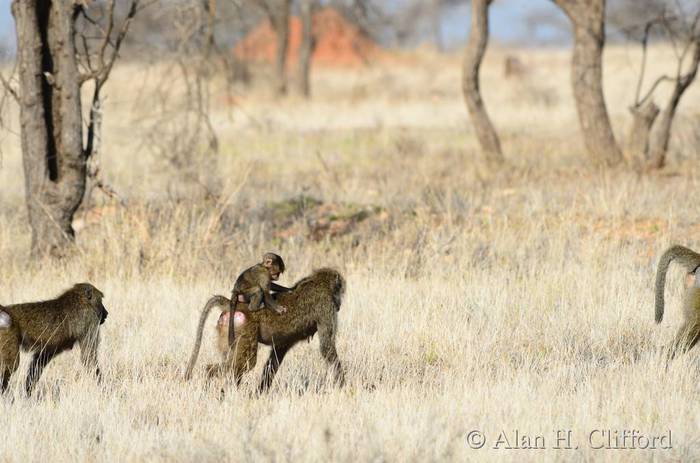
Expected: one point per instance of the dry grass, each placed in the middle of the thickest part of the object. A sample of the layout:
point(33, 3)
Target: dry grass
point(520, 301)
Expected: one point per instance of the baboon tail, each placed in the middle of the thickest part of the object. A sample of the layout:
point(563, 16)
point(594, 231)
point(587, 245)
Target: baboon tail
point(686, 257)
point(214, 301)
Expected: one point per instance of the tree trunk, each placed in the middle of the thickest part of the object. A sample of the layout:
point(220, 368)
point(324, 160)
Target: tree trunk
point(588, 21)
point(307, 46)
point(51, 122)
point(280, 23)
point(436, 25)
point(643, 117)
point(474, 53)
point(661, 133)
point(209, 36)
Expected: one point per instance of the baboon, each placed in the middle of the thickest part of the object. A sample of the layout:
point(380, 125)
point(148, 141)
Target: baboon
point(689, 333)
point(513, 67)
point(48, 328)
point(253, 286)
point(313, 304)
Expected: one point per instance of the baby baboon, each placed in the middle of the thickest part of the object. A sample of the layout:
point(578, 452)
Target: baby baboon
point(48, 328)
point(313, 304)
point(253, 286)
point(689, 333)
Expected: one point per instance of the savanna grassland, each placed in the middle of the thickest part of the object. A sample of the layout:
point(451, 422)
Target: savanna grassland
point(519, 299)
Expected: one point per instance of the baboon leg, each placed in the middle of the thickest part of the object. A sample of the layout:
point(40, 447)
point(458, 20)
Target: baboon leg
point(273, 363)
point(233, 320)
point(8, 366)
point(9, 362)
point(244, 353)
point(88, 353)
point(241, 357)
point(6, 375)
point(39, 362)
point(9, 350)
point(686, 338)
point(214, 370)
point(326, 335)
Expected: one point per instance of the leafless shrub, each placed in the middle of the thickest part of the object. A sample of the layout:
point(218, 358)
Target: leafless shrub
point(182, 135)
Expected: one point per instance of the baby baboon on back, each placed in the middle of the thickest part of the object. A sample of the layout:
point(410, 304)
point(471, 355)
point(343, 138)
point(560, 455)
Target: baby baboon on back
point(689, 333)
point(253, 286)
point(48, 328)
point(313, 305)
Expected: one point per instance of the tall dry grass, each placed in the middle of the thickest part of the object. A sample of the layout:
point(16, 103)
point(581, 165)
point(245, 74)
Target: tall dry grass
point(517, 301)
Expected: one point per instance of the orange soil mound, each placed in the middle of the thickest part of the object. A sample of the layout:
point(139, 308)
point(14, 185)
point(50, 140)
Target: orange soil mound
point(338, 43)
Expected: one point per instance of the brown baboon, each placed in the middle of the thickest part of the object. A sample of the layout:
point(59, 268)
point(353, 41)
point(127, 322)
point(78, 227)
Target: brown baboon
point(313, 304)
point(48, 328)
point(689, 333)
point(253, 286)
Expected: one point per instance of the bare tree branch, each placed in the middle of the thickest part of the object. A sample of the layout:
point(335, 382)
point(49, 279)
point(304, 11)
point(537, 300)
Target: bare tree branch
point(101, 74)
point(649, 138)
point(642, 71)
point(8, 88)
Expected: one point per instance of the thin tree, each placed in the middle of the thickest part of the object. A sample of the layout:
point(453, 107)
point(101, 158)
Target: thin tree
point(306, 49)
point(587, 18)
point(436, 24)
point(649, 137)
point(661, 133)
point(50, 78)
point(474, 54)
point(277, 12)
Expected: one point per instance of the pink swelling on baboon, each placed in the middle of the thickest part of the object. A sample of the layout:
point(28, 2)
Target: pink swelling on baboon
point(238, 319)
point(5, 320)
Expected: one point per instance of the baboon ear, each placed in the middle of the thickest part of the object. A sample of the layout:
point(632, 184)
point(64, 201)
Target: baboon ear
point(89, 293)
point(267, 261)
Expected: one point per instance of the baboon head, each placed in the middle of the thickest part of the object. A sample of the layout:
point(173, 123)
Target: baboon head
point(337, 285)
point(274, 265)
point(89, 296)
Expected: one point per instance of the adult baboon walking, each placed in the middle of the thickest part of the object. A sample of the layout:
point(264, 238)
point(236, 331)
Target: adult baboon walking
point(312, 307)
point(48, 328)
